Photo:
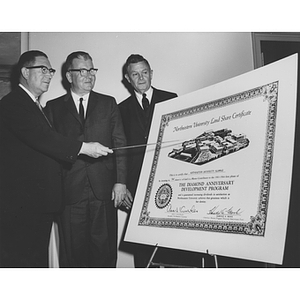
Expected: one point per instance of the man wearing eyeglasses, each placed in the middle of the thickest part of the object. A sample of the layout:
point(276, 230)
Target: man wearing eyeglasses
point(30, 172)
point(94, 188)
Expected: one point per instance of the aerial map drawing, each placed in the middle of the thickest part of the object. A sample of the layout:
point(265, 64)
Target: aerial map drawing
point(210, 145)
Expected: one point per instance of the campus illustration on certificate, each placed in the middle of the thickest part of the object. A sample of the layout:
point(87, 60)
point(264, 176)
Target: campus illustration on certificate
point(213, 172)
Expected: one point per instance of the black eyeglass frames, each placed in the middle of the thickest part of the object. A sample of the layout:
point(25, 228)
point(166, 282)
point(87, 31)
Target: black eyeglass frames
point(45, 70)
point(84, 72)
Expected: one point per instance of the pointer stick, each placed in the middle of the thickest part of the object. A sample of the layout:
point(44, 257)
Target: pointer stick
point(142, 145)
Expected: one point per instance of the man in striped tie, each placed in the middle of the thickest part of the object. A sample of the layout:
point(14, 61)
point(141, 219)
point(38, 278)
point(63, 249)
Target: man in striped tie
point(30, 172)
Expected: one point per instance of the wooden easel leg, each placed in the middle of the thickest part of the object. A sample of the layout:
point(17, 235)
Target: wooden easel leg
point(152, 256)
point(216, 261)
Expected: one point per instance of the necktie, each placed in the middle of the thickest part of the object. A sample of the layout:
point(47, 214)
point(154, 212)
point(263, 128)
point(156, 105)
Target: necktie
point(37, 102)
point(145, 102)
point(81, 110)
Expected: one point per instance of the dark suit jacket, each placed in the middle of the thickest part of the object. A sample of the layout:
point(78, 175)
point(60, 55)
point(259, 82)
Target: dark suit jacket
point(30, 151)
point(102, 124)
point(136, 130)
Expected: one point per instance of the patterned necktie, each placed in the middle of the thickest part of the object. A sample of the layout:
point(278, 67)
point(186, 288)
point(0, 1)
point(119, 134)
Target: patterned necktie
point(37, 102)
point(145, 102)
point(81, 110)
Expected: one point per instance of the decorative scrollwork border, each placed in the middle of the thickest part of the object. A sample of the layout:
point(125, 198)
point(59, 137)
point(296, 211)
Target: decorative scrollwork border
point(257, 224)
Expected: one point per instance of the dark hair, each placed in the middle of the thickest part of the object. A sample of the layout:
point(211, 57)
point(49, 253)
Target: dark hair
point(28, 58)
point(73, 55)
point(135, 58)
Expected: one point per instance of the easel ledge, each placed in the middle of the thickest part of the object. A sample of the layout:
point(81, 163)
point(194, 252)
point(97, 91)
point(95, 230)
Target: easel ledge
point(163, 265)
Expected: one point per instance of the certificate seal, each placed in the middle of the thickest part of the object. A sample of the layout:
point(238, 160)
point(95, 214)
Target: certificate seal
point(163, 196)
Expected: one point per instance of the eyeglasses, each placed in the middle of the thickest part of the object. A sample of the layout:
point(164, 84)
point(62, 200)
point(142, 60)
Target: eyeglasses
point(44, 69)
point(84, 72)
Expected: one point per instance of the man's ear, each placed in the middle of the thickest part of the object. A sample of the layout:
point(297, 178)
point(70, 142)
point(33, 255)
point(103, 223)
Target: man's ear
point(68, 76)
point(25, 72)
point(151, 74)
point(127, 77)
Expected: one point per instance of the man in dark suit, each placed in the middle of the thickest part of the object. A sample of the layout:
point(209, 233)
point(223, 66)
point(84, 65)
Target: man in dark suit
point(89, 221)
point(137, 112)
point(30, 173)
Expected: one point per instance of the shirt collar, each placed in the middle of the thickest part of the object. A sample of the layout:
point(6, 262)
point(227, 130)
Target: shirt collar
point(148, 94)
point(77, 97)
point(28, 92)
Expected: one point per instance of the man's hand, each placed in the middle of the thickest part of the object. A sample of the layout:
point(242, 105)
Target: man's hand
point(128, 199)
point(118, 193)
point(94, 149)
point(121, 196)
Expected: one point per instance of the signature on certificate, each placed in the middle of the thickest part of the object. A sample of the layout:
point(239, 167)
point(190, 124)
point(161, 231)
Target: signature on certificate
point(225, 211)
point(181, 209)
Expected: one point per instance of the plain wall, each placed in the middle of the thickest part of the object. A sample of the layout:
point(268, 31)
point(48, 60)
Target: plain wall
point(181, 62)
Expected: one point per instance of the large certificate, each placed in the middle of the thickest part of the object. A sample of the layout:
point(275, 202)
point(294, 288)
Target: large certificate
point(218, 176)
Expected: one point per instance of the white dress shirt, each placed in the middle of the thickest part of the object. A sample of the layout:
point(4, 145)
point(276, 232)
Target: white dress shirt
point(148, 93)
point(84, 102)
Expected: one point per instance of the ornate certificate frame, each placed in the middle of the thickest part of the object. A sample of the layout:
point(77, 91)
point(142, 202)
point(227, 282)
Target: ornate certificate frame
point(220, 172)
point(256, 223)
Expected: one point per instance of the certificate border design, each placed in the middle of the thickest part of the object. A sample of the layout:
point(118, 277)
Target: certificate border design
point(257, 224)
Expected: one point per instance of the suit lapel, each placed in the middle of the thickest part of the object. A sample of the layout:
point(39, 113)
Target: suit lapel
point(34, 107)
point(155, 97)
point(26, 98)
point(91, 105)
point(69, 102)
point(154, 100)
point(139, 112)
point(152, 103)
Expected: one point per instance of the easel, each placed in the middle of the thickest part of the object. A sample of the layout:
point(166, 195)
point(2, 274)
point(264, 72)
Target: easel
point(151, 263)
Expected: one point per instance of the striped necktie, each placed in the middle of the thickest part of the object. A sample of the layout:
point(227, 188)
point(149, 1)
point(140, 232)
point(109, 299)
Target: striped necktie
point(37, 102)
